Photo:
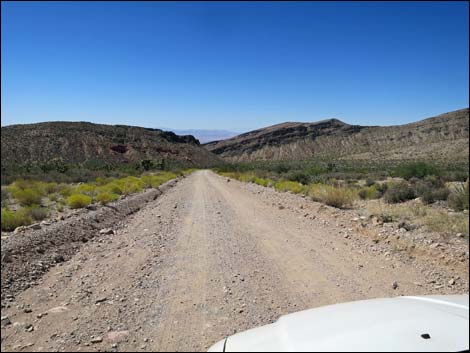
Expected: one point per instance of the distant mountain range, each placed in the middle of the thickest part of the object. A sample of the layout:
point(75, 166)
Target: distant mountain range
point(205, 136)
point(444, 137)
point(78, 142)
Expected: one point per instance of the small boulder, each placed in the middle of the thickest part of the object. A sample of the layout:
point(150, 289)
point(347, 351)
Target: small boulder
point(19, 229)
point(97, 339)
point(117, 336)
point(106, 231)
point(5, 321)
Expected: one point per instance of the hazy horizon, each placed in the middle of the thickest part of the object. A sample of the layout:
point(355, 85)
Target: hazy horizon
point(232, 66)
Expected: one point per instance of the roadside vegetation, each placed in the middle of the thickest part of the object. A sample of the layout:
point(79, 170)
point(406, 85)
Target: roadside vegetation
point(429, 196)
point(27, 201)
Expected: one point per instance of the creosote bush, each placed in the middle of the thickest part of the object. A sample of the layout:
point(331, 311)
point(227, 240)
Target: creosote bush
point(37, 213)
point(78, 200)
point(369, 192)
point(286, 185)
point(14, 219)
point(339, 197)
point(27, 197)
point(399, 192)
point(106, 197)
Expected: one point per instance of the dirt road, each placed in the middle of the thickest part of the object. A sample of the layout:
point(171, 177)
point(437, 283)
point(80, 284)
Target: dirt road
point(205, 260)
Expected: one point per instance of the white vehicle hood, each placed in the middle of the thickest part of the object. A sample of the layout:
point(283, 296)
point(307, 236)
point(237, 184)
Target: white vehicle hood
point(395, 324)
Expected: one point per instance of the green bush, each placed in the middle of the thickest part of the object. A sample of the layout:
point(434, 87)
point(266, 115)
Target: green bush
point(105, 197)
point(369, 192)
point(287, 185)
point(339, 197)
point(415, 169)
point(5, 196)
point(12, 219)
point(299, 176)
point(130, 185)
point(78, 200)
point(399, 192)
point(458, 198)
point(54, 197)
point(112, 188)
point(37, 213)
point(262, 182)
point(381, 188)
point(86, 189)
point(247, 178)
point(27, 197)
point(65, 190)
point(431, 196)
point(48, 188)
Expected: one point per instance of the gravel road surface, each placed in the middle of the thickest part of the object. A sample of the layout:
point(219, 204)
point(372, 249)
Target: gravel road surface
point(206, 259)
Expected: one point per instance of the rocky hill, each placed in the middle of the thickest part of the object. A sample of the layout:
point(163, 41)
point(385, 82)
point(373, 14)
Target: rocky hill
point(78, 142)
point(444, 137)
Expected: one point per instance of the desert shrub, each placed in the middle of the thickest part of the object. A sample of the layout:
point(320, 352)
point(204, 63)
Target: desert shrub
point(399, 192)
point(415, 169)
point(49, 188)
point(23, 184)
point(434, 180)
point(281, 168)
point(14, 219)
point(286, 185)
point(339, 197)
point(106, 197)
point(262, 182)
point(54, 197)
point(155, 180)
point(446, 223)
point(381, 188)
point(146, 180)
point(86, 189)
point(369, 192)
point(431, 196)
point(37, 213)
point(5, 196)
point(27, 197)
point(422, 187)
point(60, 207)
point(112, 188)
point(64, 189)
point(458, 198)
point(78, 200)
point(129, 185)
point(101, 181)
point(431, 219)
point(247, 177)
point(299, 176)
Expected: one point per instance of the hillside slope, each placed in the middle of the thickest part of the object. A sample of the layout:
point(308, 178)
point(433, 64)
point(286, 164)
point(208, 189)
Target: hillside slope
point(441, 137)
point(78, 142)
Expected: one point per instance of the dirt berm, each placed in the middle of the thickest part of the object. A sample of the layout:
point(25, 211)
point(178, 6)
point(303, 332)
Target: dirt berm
point(25, 257)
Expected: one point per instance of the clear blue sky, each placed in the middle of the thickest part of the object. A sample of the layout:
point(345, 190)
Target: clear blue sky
point(235, 66)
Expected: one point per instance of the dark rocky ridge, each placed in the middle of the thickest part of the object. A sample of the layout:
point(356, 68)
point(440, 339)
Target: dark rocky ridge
point(77, 142)
point(441, 137)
